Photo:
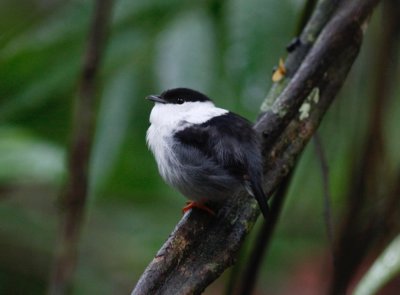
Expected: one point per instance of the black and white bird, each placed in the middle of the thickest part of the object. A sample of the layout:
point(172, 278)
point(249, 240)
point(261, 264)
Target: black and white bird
point(205, 152)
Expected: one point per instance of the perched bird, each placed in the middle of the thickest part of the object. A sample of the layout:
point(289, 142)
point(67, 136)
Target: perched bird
point(205, 152)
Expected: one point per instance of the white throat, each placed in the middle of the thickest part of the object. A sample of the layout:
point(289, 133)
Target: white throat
point(166, 119)
point(172, 116)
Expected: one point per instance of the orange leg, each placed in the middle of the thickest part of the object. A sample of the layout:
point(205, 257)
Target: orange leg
point(191, 204)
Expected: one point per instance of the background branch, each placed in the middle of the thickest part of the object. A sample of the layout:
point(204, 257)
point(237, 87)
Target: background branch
point(319, 149)
point(201, 248)
point(372, 188)
point(264, 238)
point(74, 198)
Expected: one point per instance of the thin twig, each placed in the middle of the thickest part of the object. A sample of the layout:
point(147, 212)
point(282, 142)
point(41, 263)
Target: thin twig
point(309, 8)
point(263, 239)
point(76, 190)
point(326, 191)
point(235, 273)
point(300, 47)
point(370, 176)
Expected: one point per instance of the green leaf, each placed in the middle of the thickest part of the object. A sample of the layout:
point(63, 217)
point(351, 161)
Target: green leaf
point(25, 158)
point(386, 267)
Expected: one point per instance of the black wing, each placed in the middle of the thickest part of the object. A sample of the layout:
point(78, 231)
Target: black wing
point(237, 151)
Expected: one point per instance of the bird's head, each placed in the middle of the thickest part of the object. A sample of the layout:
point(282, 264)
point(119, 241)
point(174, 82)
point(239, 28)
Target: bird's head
point(182, 105)
point(179, 96)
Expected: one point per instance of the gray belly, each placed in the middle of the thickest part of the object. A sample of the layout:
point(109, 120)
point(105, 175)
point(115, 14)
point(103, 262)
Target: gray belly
point(197, 177)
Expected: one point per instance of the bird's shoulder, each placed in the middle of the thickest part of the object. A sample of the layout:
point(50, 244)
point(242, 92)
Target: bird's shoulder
point(228, 127)
point(228, 140)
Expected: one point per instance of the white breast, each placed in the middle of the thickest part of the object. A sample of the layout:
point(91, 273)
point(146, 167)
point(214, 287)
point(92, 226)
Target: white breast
point(165, 120)
point(159, 140)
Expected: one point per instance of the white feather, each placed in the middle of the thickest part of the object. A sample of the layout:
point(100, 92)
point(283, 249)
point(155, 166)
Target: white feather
point(171, 115)
point(167, 119)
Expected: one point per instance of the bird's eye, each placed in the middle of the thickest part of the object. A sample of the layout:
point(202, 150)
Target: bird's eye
point(180, 101)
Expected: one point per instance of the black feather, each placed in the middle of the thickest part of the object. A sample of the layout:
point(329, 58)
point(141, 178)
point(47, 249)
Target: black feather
point(259, 195)
point(177, 95)
point(230, 141)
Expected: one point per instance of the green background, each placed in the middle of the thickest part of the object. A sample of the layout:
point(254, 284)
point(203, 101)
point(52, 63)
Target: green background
point(226, 49)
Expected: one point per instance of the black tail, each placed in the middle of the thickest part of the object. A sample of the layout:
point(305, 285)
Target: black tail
point(258, 193)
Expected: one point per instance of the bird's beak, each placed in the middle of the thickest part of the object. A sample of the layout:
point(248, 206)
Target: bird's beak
point(156, 98)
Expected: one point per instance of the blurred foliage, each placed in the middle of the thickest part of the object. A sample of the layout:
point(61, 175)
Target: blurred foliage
point(386, 267)
point(224, 48)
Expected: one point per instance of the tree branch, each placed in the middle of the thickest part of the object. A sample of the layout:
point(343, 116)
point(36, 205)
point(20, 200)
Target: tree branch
point(263, 239)
point(319, 150)
point(76, 190)
point(201, 248)
point(371, 177)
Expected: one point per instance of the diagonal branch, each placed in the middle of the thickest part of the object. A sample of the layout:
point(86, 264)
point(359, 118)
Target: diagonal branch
point(201, 248)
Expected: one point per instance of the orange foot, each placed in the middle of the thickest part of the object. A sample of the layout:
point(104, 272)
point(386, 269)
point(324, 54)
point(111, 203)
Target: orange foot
point(192, 204)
